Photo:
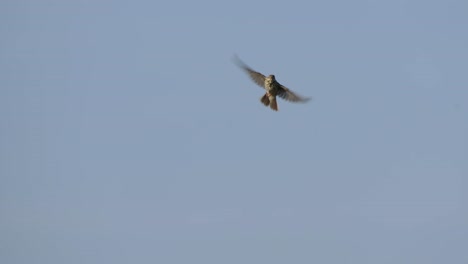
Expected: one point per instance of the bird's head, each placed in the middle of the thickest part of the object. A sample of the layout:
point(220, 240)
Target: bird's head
point(271, 77)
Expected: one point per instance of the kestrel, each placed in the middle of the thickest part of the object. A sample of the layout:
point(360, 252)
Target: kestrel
point(272, 87)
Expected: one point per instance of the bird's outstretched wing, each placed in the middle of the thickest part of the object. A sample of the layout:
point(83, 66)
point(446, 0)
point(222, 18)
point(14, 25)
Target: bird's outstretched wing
point(288, 95)
point(257, 77)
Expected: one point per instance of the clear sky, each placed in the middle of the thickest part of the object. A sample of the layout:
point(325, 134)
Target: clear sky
point(127, 135)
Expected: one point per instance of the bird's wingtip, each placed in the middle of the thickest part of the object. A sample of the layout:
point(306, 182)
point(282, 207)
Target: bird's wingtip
point(237, 60)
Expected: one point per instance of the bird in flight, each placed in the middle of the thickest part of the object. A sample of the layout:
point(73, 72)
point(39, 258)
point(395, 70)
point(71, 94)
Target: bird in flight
point(272, 87)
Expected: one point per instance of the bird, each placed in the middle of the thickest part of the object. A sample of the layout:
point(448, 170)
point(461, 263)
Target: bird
point(272, 86)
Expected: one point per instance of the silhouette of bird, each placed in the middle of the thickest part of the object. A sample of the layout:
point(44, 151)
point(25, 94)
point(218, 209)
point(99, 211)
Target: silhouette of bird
point(272, 87)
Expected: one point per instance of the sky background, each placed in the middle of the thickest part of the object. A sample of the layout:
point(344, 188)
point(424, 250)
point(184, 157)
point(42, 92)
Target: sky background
point(127, 135)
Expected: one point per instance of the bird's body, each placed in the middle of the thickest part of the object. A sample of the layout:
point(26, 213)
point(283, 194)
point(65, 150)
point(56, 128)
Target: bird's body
point(272, 87)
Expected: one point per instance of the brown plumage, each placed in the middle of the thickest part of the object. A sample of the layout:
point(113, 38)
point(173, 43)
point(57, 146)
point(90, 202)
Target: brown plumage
point(272, 87)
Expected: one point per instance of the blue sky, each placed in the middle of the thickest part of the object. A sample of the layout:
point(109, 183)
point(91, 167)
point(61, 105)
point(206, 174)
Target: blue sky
point(129, 136)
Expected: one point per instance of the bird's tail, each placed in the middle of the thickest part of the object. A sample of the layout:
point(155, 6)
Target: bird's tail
point(265, 100)
point(273, 104)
